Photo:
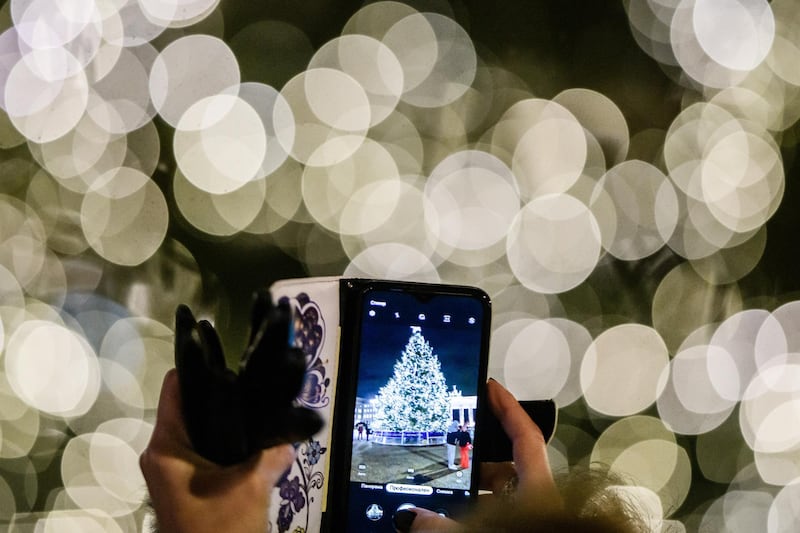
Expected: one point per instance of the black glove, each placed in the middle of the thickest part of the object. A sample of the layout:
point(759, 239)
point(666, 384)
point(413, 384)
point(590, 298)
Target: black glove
point(229, 415)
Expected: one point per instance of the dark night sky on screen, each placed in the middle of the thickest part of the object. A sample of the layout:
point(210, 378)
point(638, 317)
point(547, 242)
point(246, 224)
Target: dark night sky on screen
point(383, 345)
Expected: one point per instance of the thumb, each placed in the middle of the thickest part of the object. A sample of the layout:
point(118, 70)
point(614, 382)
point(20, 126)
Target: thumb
point(419, 520)
point(273, 462)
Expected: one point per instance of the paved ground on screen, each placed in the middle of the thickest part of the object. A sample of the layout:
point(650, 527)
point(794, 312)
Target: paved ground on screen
point(414, 465)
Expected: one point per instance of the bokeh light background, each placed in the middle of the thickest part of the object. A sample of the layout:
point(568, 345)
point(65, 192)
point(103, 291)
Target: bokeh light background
point(619, 176)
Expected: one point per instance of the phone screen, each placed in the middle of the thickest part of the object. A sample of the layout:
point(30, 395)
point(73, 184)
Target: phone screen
point(419, 378)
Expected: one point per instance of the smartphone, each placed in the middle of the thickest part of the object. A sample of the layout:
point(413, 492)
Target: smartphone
point(411, 387)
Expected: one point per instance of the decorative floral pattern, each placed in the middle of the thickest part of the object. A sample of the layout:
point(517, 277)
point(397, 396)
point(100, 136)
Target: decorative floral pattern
point(314, 452)
point(296, 487)
point(291, 493)
point(309, 335)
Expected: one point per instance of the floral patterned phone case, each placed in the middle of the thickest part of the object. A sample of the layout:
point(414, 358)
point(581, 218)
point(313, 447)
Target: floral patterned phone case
point(300, 498)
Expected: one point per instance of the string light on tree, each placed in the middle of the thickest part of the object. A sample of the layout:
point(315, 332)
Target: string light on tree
point(416, 397)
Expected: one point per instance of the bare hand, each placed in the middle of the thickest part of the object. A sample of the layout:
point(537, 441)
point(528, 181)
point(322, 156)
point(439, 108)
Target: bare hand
point(530, 473)
point(192, 494)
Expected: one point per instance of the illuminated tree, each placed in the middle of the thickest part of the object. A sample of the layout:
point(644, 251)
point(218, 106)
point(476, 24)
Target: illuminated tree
point(416, 397)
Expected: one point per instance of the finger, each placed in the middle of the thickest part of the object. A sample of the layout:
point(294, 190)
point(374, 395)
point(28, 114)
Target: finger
point(169, 437)
point(494, 476)
point(528, 445)
point(272, 463)
point(169, 414)
point(419, 520)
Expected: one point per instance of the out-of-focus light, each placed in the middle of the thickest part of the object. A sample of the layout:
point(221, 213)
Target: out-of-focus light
point(475, 197)
point(372, 64)
point(437, 56)
point(635, 350)
point(600, 115)
point(396, 151)
point(736, 336)
point(574, 443)
point(641, 449)
point(277, 119)
point(283, 199)
point(784, 513)
point(684, 302)
point(337, 100)
point(120, 396)
point(70, 521)
point(144, 347)
point(12, 300)
point(738, 511)
point(177, 13)
point(393, 261)
point(553, 244)
point(101, 471)
point(22, 240)
point(650, 26)
point(177, 82)
point(8, 504)
point(52, 368)
point(124, 217)
point(778, 336)
point(579, 339)
point(527, 373)
point(745, 103)
point(122, 96)
point(563, 365)
point(338, 195)
point(144, 149)
point(19, 424)
point(218, 214)
point(729, 265)
point(742, 179)
point(721, 453)
point(545, 145)
point(785, 51)
point(332, 114)
point(736, 34)
point(706, 379)
point(691, 55)
point(77, 159)
point(646, 207)
point(51, 24)
point(220, 143)
point(45, 97)
point(690, 403)
point(410, 222)
point(377, 18)
point(769, 409)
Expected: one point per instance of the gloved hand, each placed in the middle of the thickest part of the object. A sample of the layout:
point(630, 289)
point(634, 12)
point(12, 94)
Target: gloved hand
point(230, 415)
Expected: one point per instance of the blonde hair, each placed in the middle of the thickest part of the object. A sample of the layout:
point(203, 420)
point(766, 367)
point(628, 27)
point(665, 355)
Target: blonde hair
point(591, 505)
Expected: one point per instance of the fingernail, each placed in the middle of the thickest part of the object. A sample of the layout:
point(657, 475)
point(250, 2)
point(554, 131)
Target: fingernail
point(403, 519)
